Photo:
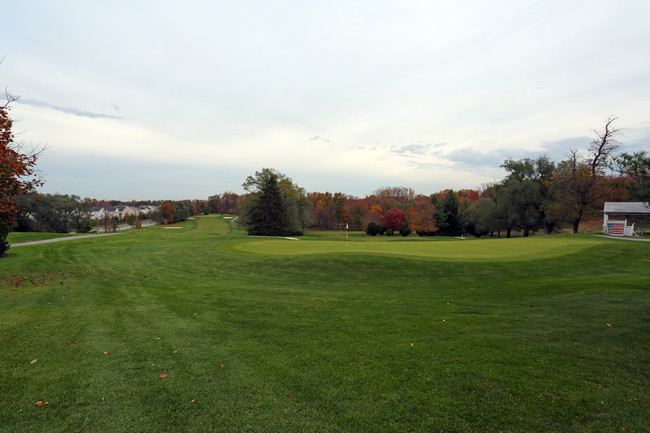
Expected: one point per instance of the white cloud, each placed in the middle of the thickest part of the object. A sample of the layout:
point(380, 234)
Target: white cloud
point(363, 94)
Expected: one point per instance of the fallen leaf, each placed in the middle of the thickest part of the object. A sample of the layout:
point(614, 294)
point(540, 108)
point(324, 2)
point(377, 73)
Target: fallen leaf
point(221, 365)
point(33, 361)
point(163, 375)
point(411, 344)
point(105, 353)
point(608, 324)
point(39, 403)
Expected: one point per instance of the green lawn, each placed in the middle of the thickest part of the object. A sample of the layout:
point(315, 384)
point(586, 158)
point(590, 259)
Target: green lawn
point(545, 334)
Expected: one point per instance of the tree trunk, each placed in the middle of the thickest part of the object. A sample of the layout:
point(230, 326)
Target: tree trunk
point(576, 224)
point(508, 231)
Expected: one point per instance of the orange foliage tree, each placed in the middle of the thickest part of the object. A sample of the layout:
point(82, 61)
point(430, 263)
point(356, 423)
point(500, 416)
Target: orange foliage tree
point(422, 216)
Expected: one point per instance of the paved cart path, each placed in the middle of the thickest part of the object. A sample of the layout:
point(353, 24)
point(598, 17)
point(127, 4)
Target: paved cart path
point(622, 238)
point(67, 238)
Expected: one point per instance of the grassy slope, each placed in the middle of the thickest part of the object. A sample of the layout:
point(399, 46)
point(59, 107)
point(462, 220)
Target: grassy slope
point(350, 341)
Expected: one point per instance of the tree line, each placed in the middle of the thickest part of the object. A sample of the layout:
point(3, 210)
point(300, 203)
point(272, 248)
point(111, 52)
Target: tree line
point(536, 194)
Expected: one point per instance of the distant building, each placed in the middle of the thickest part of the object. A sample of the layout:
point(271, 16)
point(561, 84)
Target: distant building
point(619, 218)
point(121, 211)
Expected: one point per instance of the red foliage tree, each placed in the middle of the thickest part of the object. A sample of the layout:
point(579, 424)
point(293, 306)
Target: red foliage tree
point(166, 211)
point(17, 174)
point(393, 219)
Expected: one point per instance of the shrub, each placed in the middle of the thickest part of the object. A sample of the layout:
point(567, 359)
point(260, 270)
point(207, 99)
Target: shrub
point(404, 230)
point(374, 229)
point(389, 232)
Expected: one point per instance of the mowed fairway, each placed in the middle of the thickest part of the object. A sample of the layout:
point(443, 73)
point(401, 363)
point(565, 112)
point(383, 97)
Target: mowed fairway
point(205, 329)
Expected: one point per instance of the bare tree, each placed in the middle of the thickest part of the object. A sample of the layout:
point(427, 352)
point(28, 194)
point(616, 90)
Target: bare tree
point(601, 149)
point(581, 177)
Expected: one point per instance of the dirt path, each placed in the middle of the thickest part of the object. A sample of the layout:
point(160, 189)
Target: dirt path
point(67, 238)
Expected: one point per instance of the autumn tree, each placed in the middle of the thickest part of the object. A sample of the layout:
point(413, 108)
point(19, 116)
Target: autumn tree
point(17, 173)
point(223, 203)
point(166, 212)
point(394, 219)
point(357, 214)
point(323, 210)
point(581, 178)
point(421, 216)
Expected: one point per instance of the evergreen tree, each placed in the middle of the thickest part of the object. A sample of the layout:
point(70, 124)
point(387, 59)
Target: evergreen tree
point(275, 205)
point(448, 216)
point(267, 212)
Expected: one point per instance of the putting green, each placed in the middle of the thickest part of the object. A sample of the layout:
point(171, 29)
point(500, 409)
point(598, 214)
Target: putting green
point(470, 250)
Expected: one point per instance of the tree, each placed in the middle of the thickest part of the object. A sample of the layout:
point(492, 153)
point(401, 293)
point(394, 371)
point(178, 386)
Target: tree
point(421, 216)
point(393, 219)
point(166, 212)
point(80, 220)
point(530, 190)
point(448, 215)
point(17, 173)
point(636, 168)
point(323, 210)
point(54, 213)
point(581, 178)
point(482, 217)
point(275, 206)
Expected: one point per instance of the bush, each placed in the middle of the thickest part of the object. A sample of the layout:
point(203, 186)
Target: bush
point(374, 229)
point(389, 232)
point(404, 230)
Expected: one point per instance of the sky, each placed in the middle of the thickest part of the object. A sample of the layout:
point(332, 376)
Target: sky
point(183, 100)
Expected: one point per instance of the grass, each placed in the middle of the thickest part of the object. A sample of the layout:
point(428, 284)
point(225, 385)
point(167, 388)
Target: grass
point(491, 249)
point(384, 335)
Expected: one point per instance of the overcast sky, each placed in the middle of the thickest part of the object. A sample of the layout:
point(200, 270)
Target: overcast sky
point(160, 99)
